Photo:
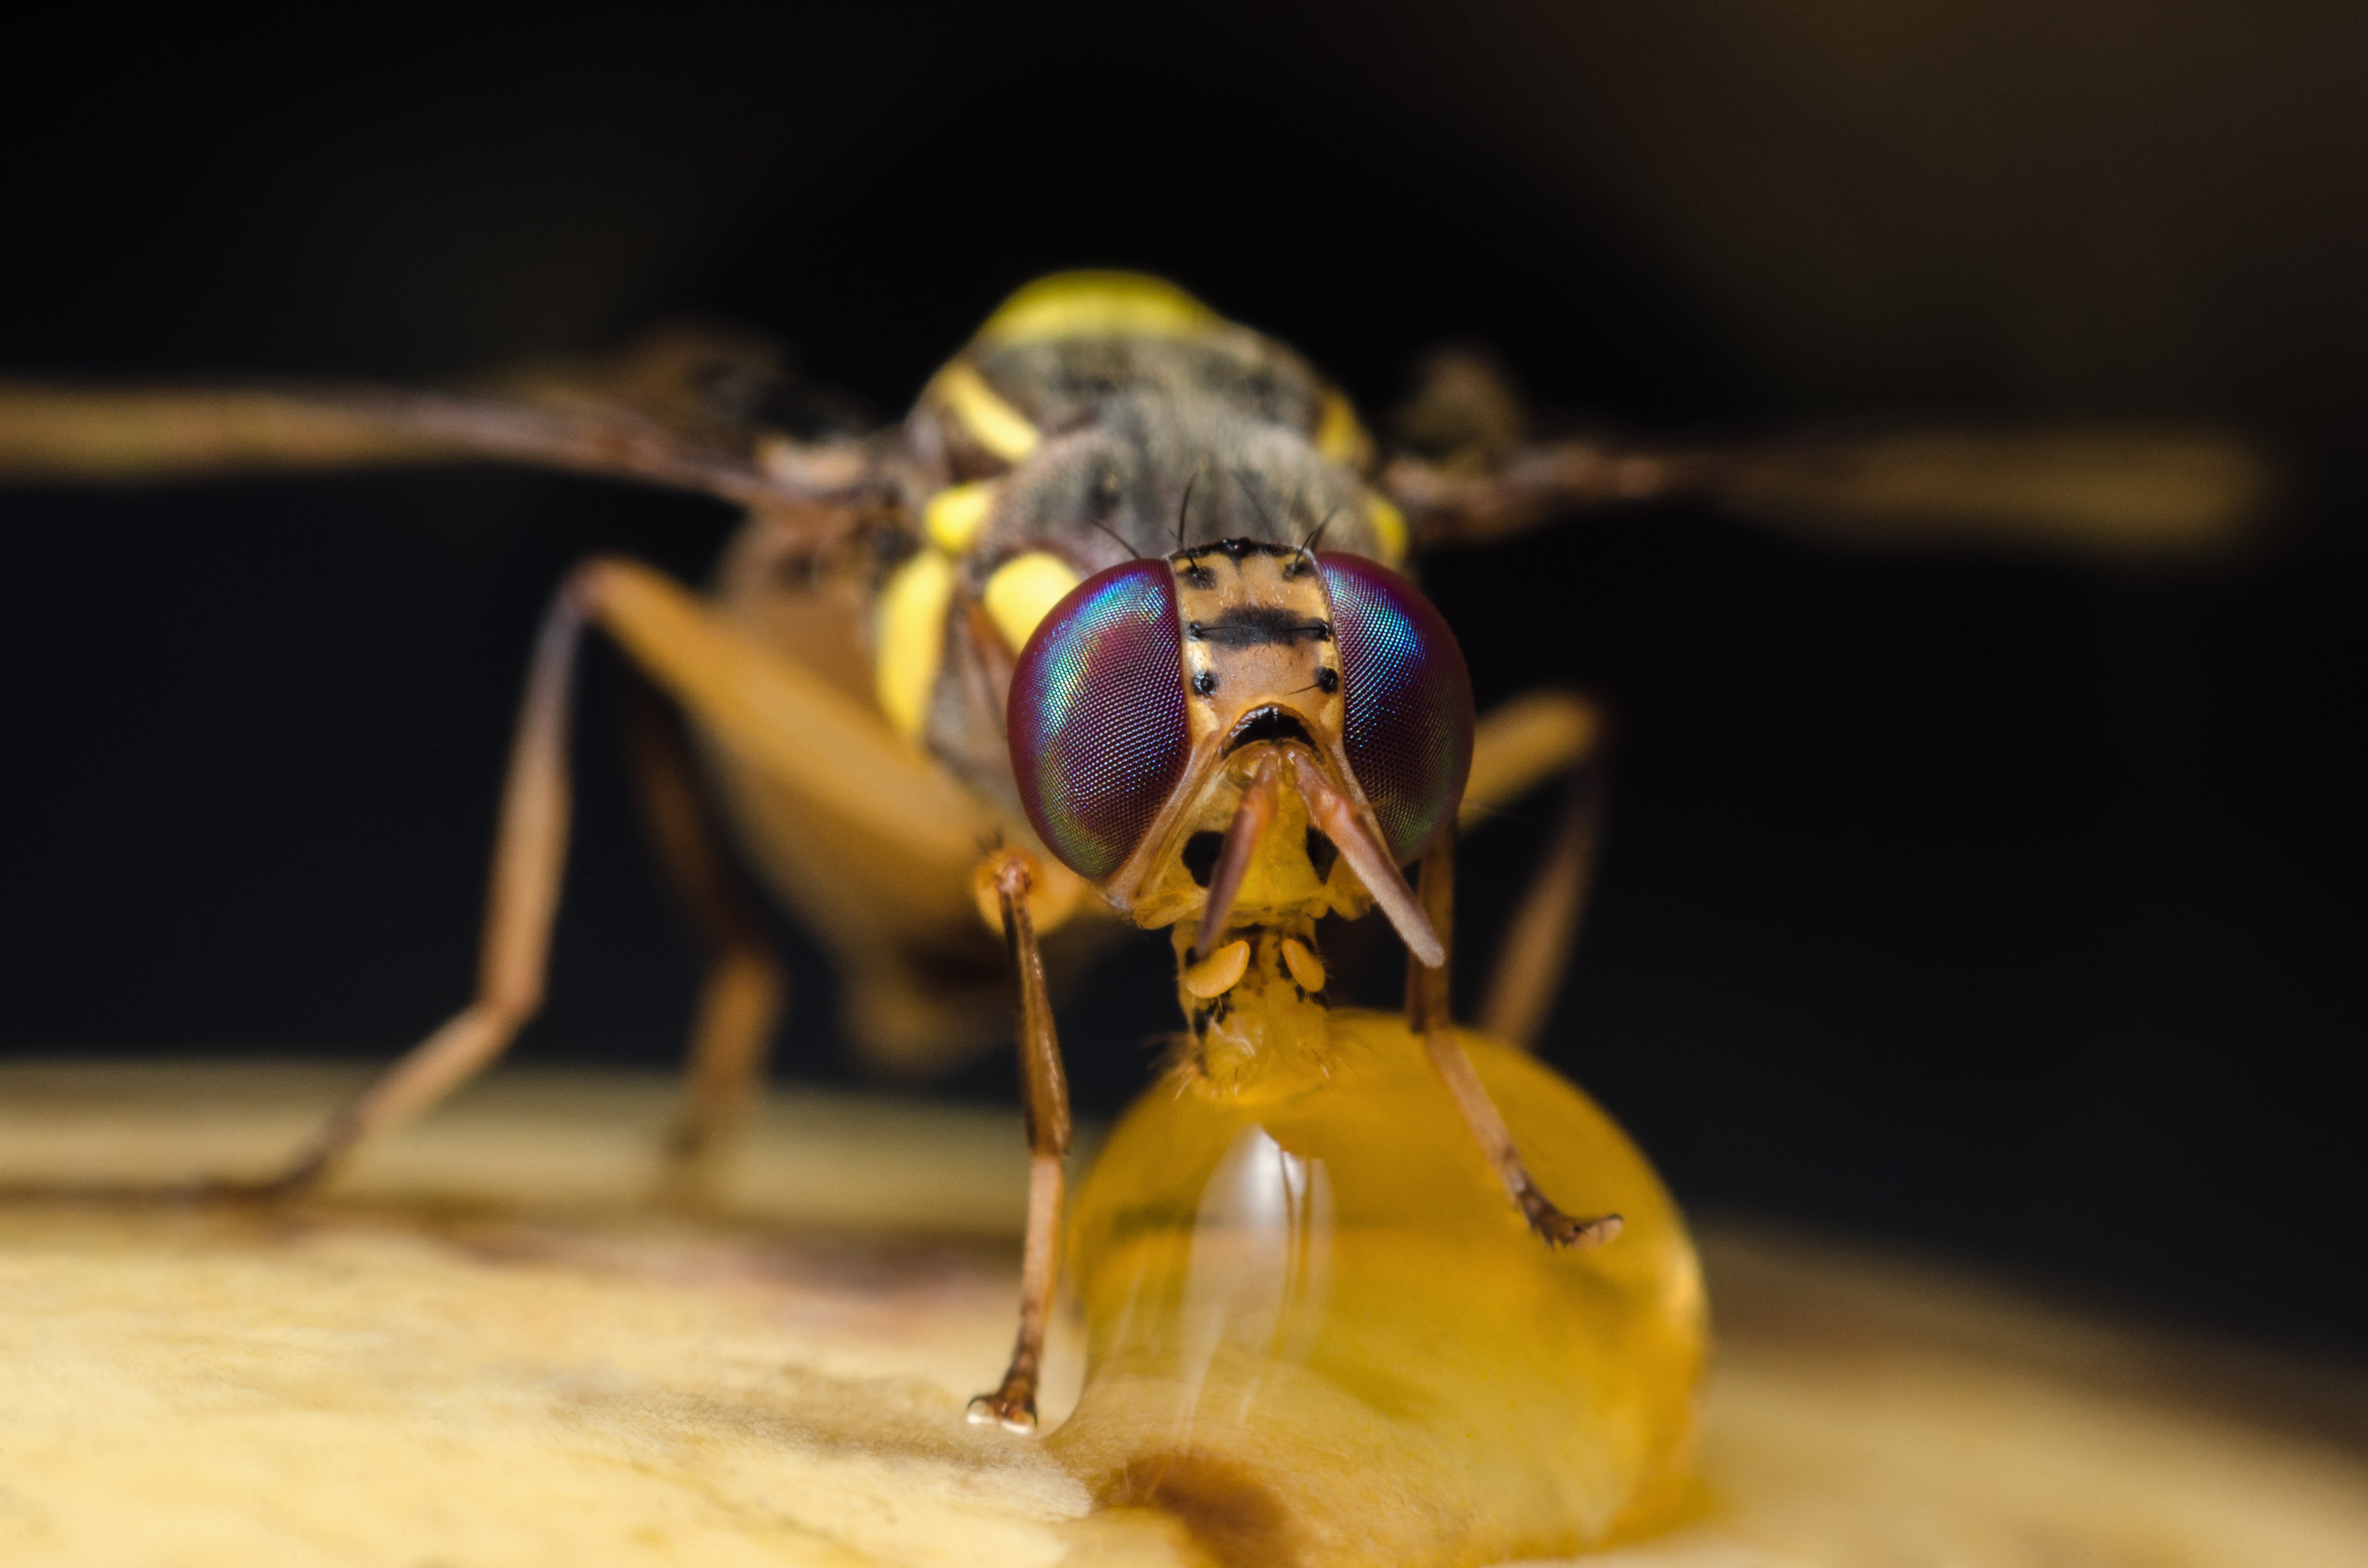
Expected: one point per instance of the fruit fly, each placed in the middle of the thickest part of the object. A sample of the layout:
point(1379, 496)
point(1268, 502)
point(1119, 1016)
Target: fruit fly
point(1112, 629)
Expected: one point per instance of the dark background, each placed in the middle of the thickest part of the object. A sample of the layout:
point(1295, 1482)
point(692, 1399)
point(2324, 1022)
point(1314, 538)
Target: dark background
point(2006, 908)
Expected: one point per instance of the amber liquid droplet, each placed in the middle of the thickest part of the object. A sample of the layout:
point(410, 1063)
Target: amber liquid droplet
point(1319, 1331)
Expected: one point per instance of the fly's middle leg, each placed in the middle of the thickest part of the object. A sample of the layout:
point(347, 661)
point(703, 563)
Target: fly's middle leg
point(783, 722)
point(742, 994)
point(521, 904)
point(1516, 748)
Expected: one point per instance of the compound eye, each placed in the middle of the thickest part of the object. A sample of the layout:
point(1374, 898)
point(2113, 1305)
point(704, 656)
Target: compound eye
point(1099, 736)
point(1406, 723)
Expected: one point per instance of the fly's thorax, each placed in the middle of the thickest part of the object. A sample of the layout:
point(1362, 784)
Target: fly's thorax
point(1059, 353)
point(1095, 417)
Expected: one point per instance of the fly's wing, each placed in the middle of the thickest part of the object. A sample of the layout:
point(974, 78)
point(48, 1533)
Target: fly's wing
point(1473, 477)
point(686, 409)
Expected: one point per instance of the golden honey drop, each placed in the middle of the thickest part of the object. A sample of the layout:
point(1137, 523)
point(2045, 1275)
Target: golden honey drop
point(1320, 1334)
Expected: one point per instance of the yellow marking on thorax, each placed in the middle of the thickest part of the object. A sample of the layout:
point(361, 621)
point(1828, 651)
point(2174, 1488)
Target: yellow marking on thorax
point(982, 413)
point(1023, 591)
point(1339, 436)
point(1097, 304)
point(1389, 527)
point(913, 639)
point(953, 517)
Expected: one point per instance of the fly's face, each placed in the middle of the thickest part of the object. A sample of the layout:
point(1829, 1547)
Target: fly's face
point(1238, 739)
point(1262, 674)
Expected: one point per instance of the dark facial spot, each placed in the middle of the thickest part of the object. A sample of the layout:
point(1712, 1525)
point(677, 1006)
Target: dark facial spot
point(1321, 853)
point(1200, 852)
point(1206, 682)
point(1328, 678)
point(1200, 577)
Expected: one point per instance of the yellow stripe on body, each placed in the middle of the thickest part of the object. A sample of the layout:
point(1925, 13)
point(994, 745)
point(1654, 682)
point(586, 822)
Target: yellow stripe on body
point(991, 422)
point(1389, 526)
point(1340, 437)
point(953, 517)
point(1024, 590)
point(913, 639)
point(1097, 304)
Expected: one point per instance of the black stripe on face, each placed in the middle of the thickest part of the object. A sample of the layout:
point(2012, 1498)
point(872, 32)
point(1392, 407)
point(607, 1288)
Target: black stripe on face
point(1250, 625)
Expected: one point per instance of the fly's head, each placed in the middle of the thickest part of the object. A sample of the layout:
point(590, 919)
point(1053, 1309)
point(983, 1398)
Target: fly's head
point(1234, 741)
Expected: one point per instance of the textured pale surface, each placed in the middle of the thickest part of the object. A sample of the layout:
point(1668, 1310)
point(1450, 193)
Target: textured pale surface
point(488, 1349)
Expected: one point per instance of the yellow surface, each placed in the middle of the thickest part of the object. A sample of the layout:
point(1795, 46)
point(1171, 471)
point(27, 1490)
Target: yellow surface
point(488, 1349)
point(1321, 1321)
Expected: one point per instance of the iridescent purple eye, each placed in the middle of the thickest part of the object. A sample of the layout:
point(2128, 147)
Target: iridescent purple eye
point(1097, 718)
point(1407, 725)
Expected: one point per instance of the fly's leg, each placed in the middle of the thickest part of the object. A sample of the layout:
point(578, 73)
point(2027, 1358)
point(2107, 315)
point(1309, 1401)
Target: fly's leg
point(530, 851)
point(782, 720)
point(1429, 1007)
point(1427, 1014)
point(1011, 875)
point(1538, 943)
point(741, 997)
point(1517, 747)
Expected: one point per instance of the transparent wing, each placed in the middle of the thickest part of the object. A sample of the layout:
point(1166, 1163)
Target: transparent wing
point(2103, 491)
point(1469, 472)
point(682, 409)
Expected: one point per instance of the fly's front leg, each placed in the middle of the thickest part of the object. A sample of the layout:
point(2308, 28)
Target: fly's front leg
point(742, 995)
point(1427, 1014)
point(1010, 875)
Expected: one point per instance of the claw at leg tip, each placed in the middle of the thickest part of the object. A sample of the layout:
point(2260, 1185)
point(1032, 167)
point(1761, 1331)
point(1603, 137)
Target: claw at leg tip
point(991, 1410)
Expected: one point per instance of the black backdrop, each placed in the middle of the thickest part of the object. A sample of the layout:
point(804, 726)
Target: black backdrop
point(2009, 908)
